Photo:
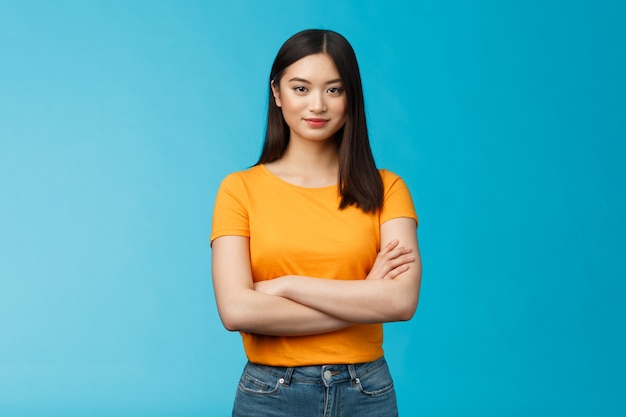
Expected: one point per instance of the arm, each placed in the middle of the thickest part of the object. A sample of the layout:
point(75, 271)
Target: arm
point(241, 308)
point(381, 298)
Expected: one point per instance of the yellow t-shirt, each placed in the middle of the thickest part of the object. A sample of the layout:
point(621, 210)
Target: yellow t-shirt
point(301, 231)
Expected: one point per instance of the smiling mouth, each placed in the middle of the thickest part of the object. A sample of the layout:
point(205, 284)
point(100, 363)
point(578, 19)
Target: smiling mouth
point(316, 122)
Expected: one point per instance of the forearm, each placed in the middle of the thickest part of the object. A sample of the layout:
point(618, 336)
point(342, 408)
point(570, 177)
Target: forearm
point(241, 308)
point(360, 301)
point(254, 312)
point(390, 291)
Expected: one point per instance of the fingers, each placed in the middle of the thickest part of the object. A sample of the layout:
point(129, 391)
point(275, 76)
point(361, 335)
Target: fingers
point(398, 266)
point(389, 246)
point(392, 251)
point(392, 260)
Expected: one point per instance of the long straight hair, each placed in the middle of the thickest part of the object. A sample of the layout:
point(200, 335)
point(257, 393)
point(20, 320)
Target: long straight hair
point(359, 181)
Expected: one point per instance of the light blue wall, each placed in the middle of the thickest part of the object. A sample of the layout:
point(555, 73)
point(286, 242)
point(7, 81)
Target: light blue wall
point(119, 118)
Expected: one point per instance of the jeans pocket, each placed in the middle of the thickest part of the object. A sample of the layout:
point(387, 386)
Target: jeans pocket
point(375, 382)
point(258, 383)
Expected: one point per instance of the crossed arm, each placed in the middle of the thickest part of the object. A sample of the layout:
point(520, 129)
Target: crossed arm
point(296, 305)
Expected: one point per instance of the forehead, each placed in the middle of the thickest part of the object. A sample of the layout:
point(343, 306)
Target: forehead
point(314, 68)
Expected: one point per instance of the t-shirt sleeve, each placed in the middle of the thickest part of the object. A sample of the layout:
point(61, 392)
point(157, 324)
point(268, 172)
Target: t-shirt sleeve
point(397, 199)
point(230, 213)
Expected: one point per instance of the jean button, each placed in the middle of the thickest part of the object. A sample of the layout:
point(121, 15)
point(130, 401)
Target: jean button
point(327, 375)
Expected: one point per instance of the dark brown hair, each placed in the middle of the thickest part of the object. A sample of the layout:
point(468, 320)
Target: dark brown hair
point(359, 180)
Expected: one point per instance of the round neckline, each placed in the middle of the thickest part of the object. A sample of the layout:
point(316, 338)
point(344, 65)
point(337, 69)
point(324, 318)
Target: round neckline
point(299, 187)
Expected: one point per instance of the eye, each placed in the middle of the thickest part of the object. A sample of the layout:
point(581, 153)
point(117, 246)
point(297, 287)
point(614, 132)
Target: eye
point(300, 89)
point(335, 90)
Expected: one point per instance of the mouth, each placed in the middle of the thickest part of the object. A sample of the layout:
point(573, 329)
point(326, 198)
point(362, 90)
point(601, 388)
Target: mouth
point(316, 122)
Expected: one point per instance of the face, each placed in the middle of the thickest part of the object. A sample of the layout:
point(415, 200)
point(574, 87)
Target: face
point(312, 98)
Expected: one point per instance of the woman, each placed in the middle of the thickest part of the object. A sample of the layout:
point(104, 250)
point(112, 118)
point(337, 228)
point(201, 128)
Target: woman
point(314, 247)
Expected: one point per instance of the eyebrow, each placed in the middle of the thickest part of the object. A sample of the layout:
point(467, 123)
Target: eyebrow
point(302, 80)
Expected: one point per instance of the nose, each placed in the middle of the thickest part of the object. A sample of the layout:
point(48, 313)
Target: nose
point(317, 103)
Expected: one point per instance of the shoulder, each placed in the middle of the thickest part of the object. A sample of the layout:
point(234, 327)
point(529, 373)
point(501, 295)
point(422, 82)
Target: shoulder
point(387, 175)
point(397, 198)
point(390, 180)
point(244, 177)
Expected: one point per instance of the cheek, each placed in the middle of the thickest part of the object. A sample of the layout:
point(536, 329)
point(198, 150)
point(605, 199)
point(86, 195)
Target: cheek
point(289, 104)
point(342, 107)
point(343, 110)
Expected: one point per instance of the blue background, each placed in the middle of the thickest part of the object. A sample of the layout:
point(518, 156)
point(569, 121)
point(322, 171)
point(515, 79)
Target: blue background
point(118, 119)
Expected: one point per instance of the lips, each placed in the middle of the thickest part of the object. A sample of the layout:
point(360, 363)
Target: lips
point(316, 122)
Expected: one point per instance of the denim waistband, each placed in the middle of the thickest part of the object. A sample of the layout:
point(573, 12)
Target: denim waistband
point(326, 374)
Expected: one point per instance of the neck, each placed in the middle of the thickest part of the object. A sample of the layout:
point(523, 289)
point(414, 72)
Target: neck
point(308, 164)
point(312, 156)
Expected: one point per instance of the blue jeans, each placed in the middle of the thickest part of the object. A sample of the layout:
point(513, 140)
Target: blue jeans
point(363, 390)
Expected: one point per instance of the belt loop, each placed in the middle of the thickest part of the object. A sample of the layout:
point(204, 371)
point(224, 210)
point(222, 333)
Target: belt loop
point(353, 375)
point(287, 378)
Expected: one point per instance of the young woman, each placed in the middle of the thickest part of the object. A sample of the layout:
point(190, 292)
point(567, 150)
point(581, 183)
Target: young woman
point(314, 247)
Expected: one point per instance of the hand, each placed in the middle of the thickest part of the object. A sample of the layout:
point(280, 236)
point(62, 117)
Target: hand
point(391, 261)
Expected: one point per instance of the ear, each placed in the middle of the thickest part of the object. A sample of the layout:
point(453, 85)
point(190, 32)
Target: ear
point(276, 93)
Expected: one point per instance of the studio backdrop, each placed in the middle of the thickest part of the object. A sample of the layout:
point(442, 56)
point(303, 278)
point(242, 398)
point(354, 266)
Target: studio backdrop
point(119, 119)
